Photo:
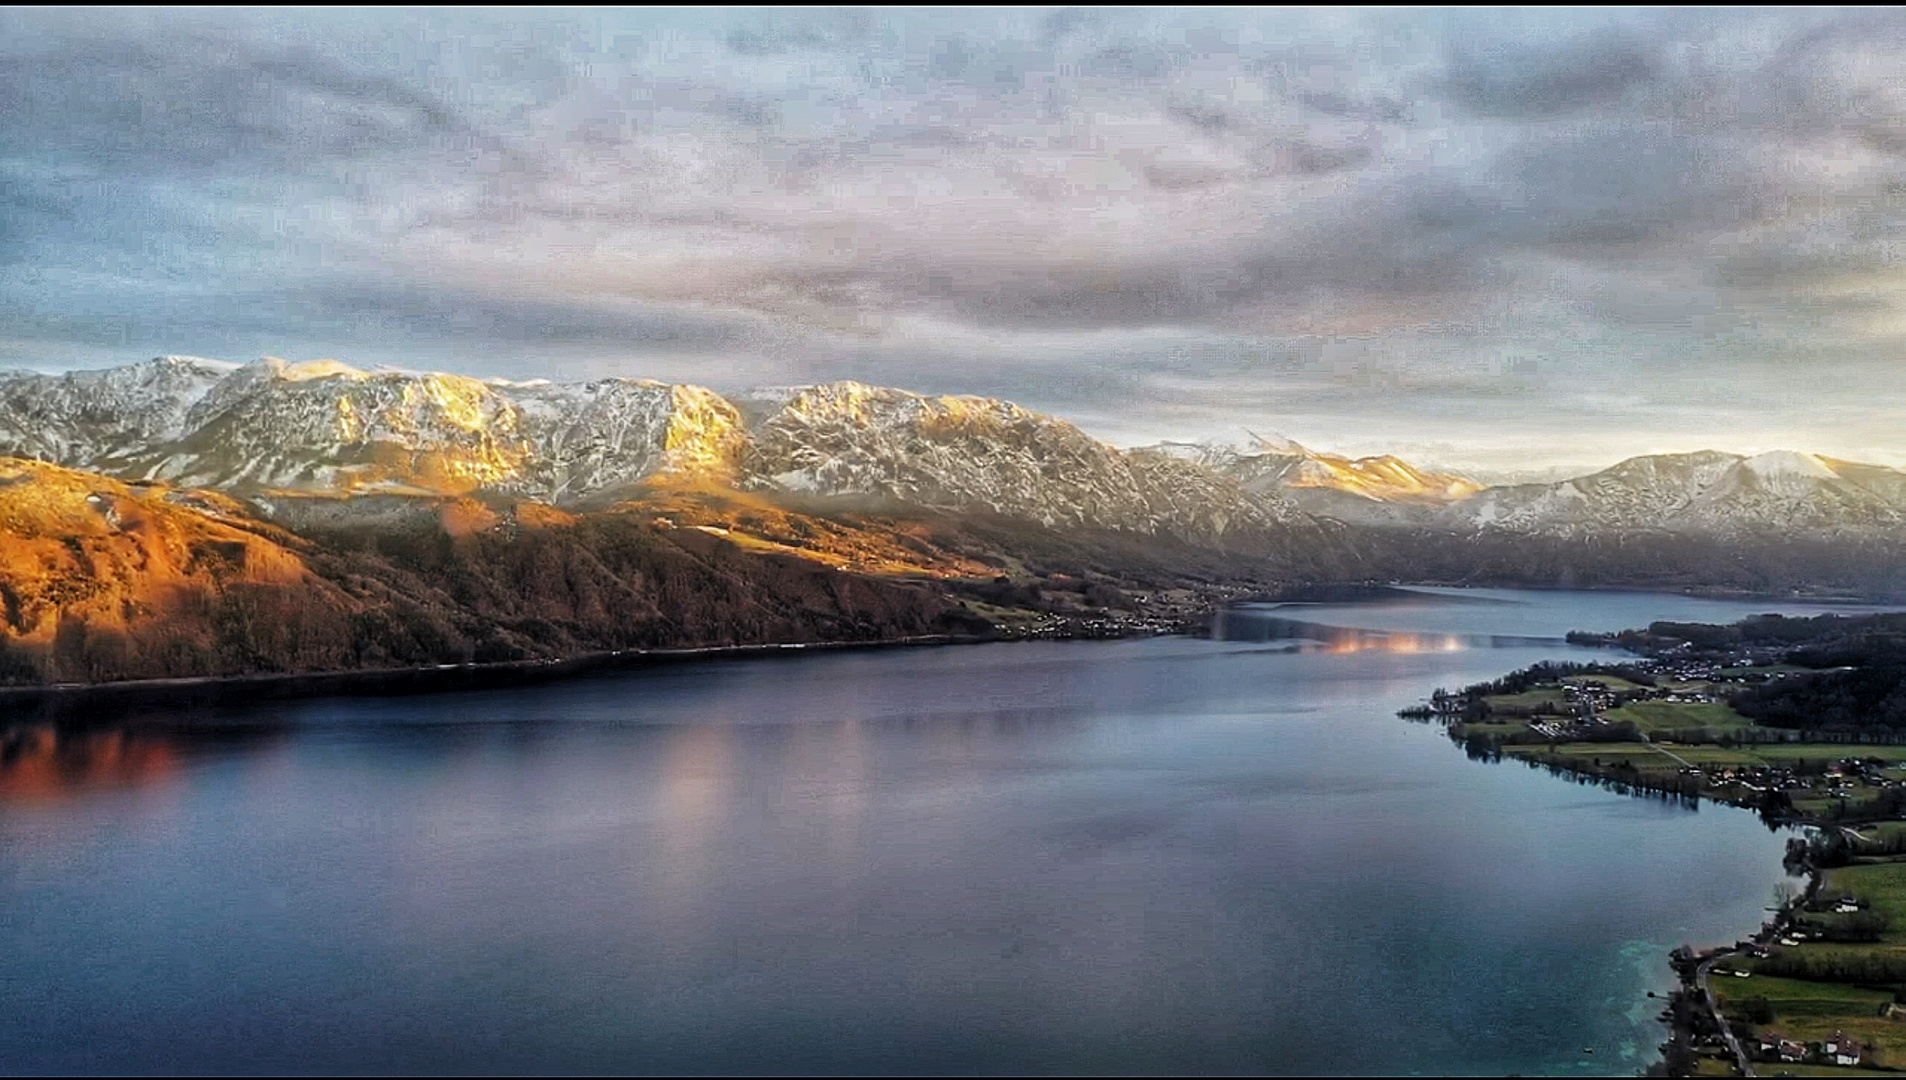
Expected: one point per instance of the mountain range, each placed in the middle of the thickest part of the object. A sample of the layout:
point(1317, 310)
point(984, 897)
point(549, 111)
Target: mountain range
point(323, 428)
point(191, 517)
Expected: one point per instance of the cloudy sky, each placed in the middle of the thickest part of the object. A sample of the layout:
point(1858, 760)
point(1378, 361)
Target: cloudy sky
point(1495, 239)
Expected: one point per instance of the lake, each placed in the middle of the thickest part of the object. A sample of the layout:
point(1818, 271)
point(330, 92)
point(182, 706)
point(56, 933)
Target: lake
point(1161, 855)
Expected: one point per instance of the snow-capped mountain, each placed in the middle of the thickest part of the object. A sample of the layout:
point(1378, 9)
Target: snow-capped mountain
point(1705, 492)
point(979, 453)
point(327, 427)
point(608, 435)
point(103, 418)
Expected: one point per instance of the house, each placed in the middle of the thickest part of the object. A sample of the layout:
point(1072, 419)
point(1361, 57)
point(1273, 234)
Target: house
point(1789, 1050)
point(1842, 1050)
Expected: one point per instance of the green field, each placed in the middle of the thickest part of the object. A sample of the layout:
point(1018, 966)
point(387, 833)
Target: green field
point(1796, 998)
point(1652, 716)
point(1528, 699)
point(1884, 831)
point(1602, 758)
point(1723, 756)
point(1812, 1011)
point(1881, 884)
point(1640, 754)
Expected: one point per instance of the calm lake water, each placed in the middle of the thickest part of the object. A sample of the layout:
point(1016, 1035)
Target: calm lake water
point(1135, 856)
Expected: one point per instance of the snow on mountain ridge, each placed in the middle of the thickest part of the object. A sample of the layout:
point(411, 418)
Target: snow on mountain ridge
point(103, 415)
point(329, 427)
point(1706, 491)
point(1789, 463)
point(962, 453)
point(1377, 490)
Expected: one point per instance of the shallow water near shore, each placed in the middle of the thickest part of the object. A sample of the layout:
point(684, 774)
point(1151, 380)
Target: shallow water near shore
point(1135, 856)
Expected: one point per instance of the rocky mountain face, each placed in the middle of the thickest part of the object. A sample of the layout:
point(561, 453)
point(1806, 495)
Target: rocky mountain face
point(328, 428)
point(103, 419)
point(966, 453)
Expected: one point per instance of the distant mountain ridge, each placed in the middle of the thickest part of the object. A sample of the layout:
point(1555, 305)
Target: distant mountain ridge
point(1703, 493)
point(1376, 490)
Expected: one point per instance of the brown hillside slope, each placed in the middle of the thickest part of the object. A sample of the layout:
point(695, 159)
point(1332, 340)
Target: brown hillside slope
point(104, 581)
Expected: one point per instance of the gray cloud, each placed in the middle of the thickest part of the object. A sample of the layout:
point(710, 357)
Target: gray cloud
point(1522, 79)
point(1362, 220)
point(150, 99)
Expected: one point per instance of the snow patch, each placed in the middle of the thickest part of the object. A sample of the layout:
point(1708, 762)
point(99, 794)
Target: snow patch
point(1787, 463)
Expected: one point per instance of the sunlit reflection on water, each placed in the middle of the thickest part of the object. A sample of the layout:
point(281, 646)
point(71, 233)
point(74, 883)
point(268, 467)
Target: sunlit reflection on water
point(1245, 624)
point(45, 761)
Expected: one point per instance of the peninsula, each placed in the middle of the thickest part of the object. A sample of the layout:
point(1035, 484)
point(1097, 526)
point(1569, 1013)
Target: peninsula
point(1802, 720)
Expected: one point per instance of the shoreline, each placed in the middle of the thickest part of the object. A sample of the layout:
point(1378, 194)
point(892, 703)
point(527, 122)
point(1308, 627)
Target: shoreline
point(58, 701)
point(57, 698)
point(417, 679)
point(1691, 1012)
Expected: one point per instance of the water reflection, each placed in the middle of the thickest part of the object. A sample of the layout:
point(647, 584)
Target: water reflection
point(1249, 624)
point(40, 762)
point(46, 760)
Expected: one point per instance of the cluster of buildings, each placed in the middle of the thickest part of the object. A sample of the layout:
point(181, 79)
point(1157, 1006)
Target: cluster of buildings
point(1841, 779)
point(1107, 625)
point(1740, 668)
point(1684, 656)
point(1588, 697)
point(1841, 1049)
